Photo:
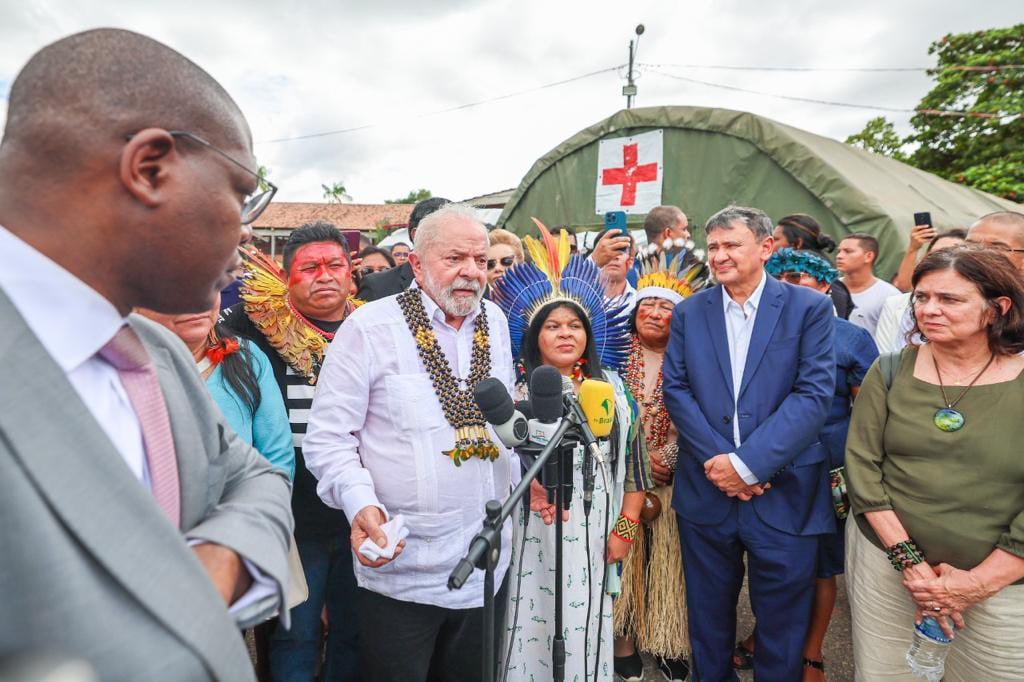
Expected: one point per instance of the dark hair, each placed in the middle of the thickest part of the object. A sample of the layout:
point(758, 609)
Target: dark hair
point(601, 235)
point(866, 241)
point(804, 234)
point(955, 233)
point(317, 231)
point(659, 219)
point(994, 276)
point(391, 249)
point(371, 250)
point(529, 353)
point(421, 210)
point(239, 371)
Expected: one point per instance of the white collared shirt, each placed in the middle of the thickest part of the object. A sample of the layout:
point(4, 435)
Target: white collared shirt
point(627, 300)
point(73, 322)
point(376, 435)
point(739, 327)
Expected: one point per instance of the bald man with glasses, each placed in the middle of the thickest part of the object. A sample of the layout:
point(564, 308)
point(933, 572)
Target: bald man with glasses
point(140, 532)
point(1002, 230)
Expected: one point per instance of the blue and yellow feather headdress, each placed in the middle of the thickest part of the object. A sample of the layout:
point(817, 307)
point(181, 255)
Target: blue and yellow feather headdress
point(555, 276)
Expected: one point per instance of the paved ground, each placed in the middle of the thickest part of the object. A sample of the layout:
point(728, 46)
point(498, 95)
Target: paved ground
point(838, 650)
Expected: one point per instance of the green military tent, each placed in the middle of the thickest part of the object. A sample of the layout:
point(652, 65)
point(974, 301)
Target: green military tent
point(713, 157)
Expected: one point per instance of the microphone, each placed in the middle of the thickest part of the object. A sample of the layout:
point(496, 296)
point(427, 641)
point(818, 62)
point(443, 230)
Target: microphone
point(546, 403)
point(603, 397)
point(597, 398)
point(497, 407)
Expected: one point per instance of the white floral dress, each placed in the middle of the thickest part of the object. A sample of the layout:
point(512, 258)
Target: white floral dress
point(530, 659)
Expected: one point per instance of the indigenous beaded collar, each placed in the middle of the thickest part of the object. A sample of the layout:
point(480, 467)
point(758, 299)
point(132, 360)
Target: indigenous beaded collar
point(655, 417)
point(299, 342)
point(458, 405)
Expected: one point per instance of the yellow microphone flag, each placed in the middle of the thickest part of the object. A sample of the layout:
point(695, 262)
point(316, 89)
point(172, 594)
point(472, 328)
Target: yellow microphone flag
point(597, 398)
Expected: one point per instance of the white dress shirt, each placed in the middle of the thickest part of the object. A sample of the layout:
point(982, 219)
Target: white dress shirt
point(894, 322)
point(73, 322)
point(627, 299)
point(739, 327)
point(376, 435)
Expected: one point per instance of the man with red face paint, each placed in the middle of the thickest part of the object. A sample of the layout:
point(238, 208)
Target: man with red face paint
point(293, 324)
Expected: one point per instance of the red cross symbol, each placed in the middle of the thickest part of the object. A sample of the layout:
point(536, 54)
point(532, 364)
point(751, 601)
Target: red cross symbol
point(629, 175)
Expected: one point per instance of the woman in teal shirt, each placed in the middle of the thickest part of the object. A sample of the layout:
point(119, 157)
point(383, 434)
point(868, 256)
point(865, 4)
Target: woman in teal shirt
point(241, 382)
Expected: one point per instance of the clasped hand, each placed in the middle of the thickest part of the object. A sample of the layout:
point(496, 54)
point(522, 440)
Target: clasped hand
point(944, 591)
point(720, 471)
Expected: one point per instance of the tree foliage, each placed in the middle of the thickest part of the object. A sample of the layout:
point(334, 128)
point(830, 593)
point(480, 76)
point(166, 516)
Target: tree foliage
point(264, 174)
point(335, 193)
point(987, 153)
point(413, 197)
point(984, 152)
point(879, 136)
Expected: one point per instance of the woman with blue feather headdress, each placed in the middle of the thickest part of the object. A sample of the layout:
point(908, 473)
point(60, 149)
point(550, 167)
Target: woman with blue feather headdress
point(558, 316)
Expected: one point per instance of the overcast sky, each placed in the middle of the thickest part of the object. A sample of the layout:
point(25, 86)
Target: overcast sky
point(323, 65)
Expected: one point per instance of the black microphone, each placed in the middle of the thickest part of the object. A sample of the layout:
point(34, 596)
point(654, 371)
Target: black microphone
point(500, 412)
point(591, 452)
point(546, 402)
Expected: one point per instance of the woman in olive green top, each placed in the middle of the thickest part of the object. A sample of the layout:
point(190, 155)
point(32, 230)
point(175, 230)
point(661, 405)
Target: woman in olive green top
point(936, 477)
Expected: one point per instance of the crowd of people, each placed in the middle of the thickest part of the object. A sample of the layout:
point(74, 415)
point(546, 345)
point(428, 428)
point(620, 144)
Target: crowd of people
point(309, 464)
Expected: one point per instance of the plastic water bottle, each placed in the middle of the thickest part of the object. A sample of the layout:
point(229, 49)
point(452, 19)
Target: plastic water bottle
point(927, 654)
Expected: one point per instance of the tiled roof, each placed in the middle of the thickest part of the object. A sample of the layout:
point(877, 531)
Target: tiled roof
point(289, 215)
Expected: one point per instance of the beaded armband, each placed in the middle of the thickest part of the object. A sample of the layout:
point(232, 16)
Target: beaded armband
point(905, 554)
point(626, 528)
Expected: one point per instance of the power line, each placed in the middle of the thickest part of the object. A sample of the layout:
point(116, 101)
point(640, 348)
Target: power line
point(728, 67)
point(931, 112)
point(843, 69)
point(458, 107)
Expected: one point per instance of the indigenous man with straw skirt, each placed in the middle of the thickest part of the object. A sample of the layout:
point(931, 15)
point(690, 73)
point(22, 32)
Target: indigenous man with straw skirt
point(650, 613)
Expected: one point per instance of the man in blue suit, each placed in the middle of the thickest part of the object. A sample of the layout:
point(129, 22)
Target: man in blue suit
point(748, 379)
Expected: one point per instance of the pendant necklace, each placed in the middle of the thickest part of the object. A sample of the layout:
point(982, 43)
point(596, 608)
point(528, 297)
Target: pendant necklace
point(949, 419)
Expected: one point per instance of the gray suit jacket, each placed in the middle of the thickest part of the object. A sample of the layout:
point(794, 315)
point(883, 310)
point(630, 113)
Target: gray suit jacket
point(89, 565)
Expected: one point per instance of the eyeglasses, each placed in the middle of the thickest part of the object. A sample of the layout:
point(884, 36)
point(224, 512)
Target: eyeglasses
point(506, 262)
point(791, 277)
point(254, 204)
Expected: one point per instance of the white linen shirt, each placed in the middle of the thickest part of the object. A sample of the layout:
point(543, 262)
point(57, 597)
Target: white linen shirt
point(739, 327)
point(375, 437)
point(73, 322)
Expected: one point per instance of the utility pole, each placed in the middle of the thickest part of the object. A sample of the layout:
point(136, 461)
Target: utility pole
point(629, 89)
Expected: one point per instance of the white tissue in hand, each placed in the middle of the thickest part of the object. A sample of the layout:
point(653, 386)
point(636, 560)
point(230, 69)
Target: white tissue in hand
point(395, 531)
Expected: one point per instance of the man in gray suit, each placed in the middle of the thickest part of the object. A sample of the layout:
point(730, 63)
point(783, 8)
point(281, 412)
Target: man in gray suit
point(139, 533)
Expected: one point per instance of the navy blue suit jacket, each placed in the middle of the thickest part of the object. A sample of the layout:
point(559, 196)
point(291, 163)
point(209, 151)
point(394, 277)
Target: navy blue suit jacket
point(784, 397)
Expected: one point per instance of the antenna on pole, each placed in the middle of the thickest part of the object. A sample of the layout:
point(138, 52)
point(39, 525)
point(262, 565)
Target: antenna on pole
point(629, 89)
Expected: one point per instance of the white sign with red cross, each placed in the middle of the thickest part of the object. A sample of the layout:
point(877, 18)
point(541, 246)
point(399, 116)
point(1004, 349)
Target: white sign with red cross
point(629, 172)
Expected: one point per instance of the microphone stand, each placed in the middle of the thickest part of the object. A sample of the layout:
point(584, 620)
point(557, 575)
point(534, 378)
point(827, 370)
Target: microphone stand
point(485, 551)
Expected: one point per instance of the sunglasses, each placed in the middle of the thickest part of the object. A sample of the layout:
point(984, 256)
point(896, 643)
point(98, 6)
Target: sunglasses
point(506, 262)
point(791, 277)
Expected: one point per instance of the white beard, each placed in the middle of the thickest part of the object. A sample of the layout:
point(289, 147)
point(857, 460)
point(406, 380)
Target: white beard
point(446, 300)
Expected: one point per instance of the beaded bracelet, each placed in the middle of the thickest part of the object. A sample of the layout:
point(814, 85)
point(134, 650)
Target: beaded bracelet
point(626, 528)
point(905, 554)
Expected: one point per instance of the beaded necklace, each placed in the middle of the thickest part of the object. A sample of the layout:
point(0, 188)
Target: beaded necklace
point(305, 321)
point(458, 405)
point(655, 417)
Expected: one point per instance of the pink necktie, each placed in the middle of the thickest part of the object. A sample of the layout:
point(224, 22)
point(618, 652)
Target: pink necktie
point(138, 376)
